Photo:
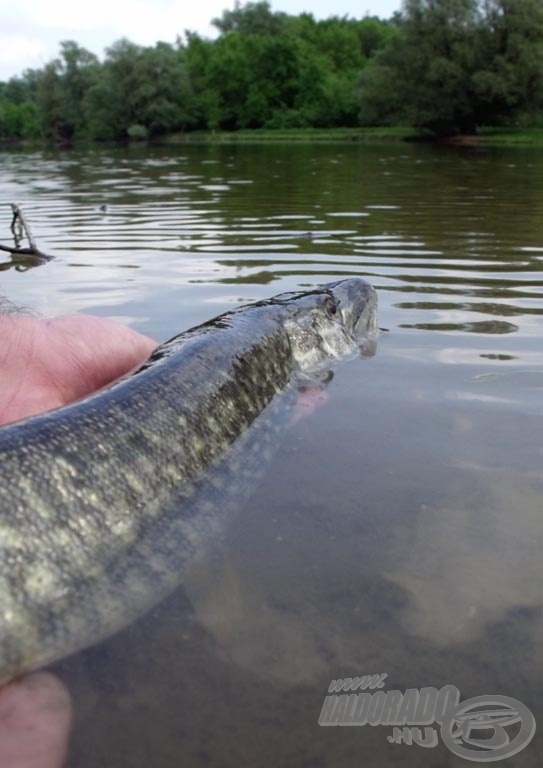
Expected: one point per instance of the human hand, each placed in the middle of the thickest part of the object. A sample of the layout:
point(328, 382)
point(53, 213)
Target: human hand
point(44, 364)
point(49, 362)
point(35, 716)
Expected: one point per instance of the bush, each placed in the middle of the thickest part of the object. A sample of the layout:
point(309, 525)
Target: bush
point(137, 132)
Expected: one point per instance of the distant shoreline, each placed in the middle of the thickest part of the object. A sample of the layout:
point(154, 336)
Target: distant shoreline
point(486, 137)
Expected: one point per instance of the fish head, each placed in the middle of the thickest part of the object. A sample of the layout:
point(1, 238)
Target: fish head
point(334, 321)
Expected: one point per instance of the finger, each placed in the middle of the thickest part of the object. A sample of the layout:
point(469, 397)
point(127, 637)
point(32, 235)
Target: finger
point(35, 716)
point(100, 350)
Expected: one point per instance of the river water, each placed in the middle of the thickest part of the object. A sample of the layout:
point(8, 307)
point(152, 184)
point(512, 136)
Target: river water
point(399, 529)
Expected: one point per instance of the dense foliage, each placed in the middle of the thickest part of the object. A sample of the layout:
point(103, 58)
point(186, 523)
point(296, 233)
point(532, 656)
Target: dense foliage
point(445, 65)
point(459, 64)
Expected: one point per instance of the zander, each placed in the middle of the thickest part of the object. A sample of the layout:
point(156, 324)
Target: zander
point(104, 502)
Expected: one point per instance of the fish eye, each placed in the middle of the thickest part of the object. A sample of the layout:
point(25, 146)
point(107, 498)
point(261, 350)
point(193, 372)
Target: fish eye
point(330, 307)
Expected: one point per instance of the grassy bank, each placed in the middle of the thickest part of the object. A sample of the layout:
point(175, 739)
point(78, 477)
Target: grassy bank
point(270, 136)
point(491, 137)
point(511, 136)
point(485, 137)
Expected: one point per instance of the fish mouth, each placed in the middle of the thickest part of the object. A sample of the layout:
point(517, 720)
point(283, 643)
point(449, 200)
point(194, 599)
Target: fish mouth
point(366, 327)
point(357, 302)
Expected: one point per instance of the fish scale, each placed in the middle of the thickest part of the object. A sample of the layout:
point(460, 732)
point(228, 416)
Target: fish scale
point(104, 503)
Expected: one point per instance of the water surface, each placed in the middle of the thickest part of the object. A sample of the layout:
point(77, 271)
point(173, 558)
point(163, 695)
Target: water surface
point(399, 528)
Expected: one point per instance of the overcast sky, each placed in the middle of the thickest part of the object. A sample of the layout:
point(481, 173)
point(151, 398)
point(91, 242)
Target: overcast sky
point(30, 30)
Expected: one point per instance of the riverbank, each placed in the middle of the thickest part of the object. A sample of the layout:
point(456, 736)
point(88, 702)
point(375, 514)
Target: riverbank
point(511, 136)
point(279, 135)
point(485, 137)
point(253, 136)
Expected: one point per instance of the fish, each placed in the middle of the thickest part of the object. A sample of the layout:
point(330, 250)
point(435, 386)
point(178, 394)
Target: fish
point(105, 502)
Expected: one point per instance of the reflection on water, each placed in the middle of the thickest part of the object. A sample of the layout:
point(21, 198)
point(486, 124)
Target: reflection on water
point(399, 528)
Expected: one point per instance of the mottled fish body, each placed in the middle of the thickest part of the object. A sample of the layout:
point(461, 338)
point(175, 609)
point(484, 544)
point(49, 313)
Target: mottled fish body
point(104, 502)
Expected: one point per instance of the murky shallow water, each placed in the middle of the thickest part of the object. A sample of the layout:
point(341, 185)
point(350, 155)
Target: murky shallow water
point(399, 529)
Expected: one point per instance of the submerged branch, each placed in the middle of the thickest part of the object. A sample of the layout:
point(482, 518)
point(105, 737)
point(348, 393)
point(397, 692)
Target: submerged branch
point(20, 229)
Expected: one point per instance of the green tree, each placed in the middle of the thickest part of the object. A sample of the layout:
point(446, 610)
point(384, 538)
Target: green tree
point(19, 120)
point(229, 75)
point(206, 96)
point(423, 76)
point(141, 91)
point(445, 65)
point(454, 65)
point(49, 99)
point(163, 100)
point(60, 90)
point(78, 71)
point(19, 115)
point(337, 51)
point(21, 89)
point(373, 35)
point(271, 69)
point(251, 19)
point(105, 119)
point(509, 84)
